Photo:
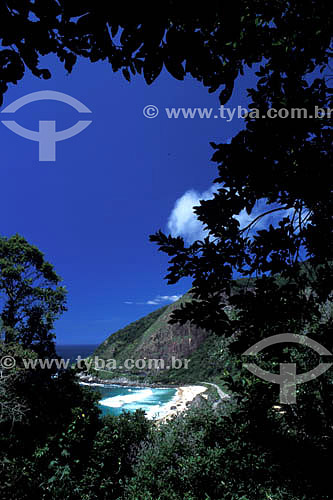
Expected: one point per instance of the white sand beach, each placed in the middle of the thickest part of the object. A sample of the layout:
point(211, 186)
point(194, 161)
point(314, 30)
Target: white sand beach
point(179, 402)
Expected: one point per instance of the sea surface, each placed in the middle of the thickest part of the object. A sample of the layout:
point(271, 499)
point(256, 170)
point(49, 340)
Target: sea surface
point(115, 398)
point(73, 351)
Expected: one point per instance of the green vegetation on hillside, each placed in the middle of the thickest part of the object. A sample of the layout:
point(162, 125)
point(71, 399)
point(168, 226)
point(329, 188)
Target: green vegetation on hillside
point(124, 340)
point(153, 337)
point(206, 362)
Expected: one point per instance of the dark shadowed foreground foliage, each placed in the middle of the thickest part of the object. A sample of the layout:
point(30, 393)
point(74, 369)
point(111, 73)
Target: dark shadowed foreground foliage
point(223, 454)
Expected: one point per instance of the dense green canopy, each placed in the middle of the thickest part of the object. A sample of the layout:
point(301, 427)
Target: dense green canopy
point(212, 41)
point(30, 295)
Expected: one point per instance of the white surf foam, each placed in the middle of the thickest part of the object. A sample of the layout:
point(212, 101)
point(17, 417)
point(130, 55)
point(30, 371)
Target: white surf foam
point(119, 401)
point(155, 411)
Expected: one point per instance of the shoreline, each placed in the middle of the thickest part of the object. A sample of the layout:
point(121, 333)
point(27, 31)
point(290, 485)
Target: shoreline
point(180, 402)
point(122, 381)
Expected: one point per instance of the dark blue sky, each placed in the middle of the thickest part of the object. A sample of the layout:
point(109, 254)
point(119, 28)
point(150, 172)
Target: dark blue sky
point(91, 211)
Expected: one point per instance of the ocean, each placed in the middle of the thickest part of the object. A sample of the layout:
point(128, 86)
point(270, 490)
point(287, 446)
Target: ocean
point(153, 401)
point(115, 398)
point(73, 351)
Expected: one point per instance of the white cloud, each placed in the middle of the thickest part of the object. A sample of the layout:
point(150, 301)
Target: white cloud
point(169, 298)
point(163, 298)
point(263, 223)
point(183, 221)
point(159, 299)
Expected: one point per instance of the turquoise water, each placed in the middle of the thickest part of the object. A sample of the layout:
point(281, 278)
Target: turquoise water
point(115, 399)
